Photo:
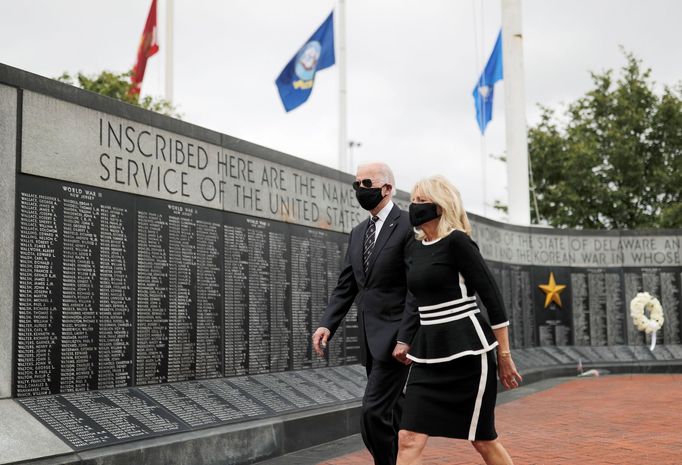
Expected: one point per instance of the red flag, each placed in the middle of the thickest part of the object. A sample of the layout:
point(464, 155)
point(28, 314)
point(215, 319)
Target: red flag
point(148, 47)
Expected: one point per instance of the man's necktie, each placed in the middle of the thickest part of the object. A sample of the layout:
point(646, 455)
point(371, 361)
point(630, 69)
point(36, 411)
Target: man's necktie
point(369, 242)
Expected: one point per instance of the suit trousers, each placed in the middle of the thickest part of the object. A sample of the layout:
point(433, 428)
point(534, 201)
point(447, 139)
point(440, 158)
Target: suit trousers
point(382, 409)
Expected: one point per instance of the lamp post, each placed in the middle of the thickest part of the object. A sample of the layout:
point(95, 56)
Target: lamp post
point(352, 144)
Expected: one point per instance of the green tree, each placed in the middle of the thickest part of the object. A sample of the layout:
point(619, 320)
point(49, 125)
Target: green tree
point(118, 86)
point(613, 160)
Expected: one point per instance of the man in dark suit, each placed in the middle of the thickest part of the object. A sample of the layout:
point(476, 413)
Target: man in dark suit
point(373, 273)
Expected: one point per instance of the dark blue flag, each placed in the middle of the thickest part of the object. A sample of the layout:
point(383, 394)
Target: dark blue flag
point(295, 83)
point(484, 90)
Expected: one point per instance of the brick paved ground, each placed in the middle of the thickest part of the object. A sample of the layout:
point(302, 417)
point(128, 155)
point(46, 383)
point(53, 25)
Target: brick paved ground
point(624, 420)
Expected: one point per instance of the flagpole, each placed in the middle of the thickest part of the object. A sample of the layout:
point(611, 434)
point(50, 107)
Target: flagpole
point(515, 113)
point(478, 52)
point(484, 176)
point(168, 78)
point(341, 60)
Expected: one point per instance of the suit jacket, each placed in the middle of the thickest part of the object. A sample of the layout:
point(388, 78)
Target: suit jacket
point(387, 312)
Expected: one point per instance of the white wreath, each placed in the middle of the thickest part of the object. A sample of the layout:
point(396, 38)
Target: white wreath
point(652, 323)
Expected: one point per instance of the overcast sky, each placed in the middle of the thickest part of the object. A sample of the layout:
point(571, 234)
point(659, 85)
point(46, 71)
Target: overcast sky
point(412, 65)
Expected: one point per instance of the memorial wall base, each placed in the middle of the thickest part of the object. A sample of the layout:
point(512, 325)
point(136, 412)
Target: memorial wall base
point(235, 444)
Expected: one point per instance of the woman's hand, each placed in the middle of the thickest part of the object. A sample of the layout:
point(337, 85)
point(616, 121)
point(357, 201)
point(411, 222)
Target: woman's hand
point(507, 372)
point(400, 353)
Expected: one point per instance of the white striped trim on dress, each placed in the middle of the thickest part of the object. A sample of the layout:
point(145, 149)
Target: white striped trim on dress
point(453, 356)
point(446, 304)
point(479, 331)
point(425, 242)
point(407, 380)
point(462, 285)
point(448, 319)
point(479, 397)
point(500, 325)
point(449, 311)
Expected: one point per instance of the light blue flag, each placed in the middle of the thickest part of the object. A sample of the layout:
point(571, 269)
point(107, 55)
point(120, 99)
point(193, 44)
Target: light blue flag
point(295, 82)
point(485, 87)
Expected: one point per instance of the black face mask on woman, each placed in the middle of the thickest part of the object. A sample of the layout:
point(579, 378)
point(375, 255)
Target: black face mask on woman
point(421, 213)
point(369, 198)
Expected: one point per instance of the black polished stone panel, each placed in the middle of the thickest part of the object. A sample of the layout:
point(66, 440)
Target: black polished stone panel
point(515, 284)
point(121, 290)
point(554, 323)
point(86, 420)
point(75, 286)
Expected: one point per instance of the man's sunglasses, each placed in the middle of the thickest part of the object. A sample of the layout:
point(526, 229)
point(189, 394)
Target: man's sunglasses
point(367, 183)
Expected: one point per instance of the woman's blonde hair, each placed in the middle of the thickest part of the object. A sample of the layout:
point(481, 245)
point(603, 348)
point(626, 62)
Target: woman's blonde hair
point(444, 194)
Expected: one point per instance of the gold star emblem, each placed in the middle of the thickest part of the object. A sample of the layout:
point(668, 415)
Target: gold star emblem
point(552, 291)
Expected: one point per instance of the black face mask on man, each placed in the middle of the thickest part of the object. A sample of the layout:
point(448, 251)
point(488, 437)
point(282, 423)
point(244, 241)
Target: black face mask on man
point(421, 213)
point(369, 197)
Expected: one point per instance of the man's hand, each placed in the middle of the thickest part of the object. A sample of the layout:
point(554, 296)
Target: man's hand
point(320, 338)
point(400, 353)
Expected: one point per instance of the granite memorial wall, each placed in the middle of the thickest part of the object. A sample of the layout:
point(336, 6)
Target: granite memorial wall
point(158, 277)
point(600, 271)
point(146, 257)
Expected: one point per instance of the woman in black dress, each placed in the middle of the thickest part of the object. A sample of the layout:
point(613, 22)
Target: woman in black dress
point(452, 387)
